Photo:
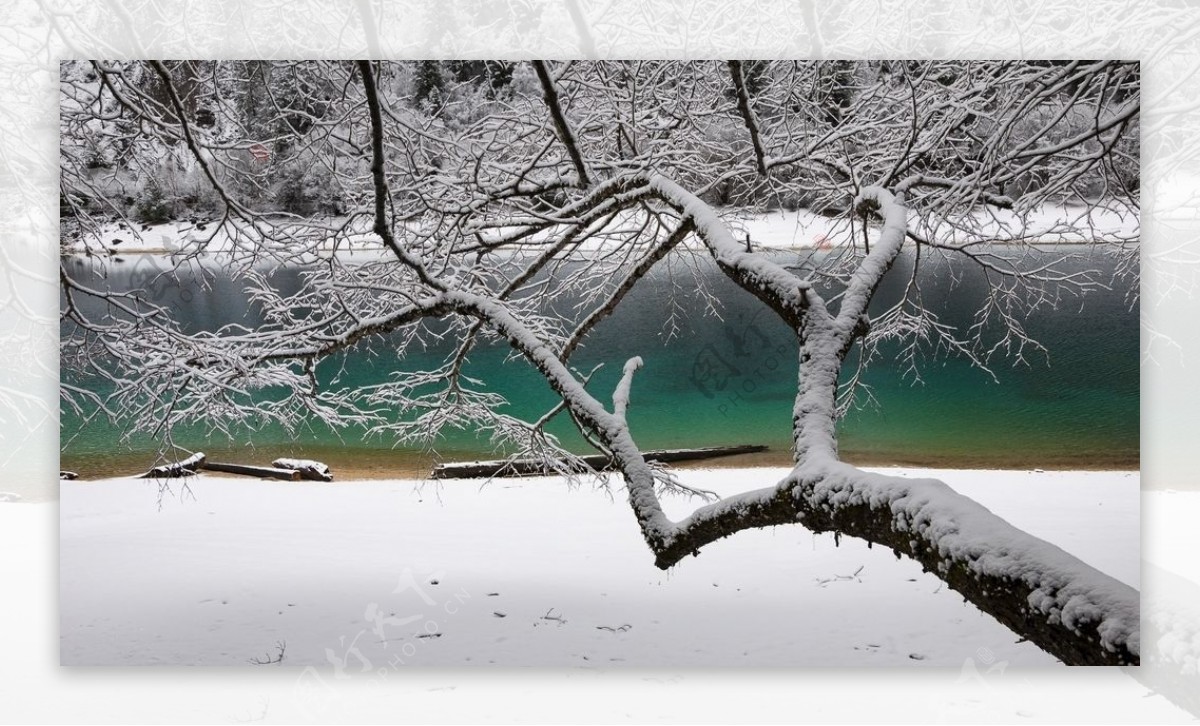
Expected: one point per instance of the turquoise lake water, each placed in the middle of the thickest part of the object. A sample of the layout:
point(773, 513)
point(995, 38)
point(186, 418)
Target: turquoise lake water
point(727, 381)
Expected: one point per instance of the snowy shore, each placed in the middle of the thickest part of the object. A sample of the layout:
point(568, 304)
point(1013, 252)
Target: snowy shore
point(368, 576)
point(781, 229)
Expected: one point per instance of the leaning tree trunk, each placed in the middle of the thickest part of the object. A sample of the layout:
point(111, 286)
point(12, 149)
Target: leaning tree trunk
point(1070, 610)
point(1040, 592)
point(1045, 595)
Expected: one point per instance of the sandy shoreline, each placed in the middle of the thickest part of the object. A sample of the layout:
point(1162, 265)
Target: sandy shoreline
point(371, 465)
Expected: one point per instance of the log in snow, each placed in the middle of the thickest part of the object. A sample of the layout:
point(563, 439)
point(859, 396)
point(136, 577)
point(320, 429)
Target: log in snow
point(262, 472)
point(187, 467)
point(599, 462)
point(309, 469)
point(67, 476)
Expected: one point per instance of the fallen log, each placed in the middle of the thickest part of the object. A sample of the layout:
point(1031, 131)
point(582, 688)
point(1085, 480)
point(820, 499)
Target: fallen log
point(262, 472)
point(598, 462)
point(309, 469)
point(174, 470)
point(67, 476)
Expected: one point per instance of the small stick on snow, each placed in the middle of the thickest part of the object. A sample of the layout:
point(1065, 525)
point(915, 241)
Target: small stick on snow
point(268, 659)
point(556, 618)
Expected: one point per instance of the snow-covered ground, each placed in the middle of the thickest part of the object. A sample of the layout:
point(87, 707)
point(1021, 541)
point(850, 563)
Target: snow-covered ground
point(361, 577)
point(799, 229)
point(1047, 225)
point(207, 236)
point(35, 687)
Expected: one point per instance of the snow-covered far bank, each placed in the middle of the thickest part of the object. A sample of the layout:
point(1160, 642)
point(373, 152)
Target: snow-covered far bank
point(1046, 225)
point(799, 229)
point(208, 236)
point(364, 576)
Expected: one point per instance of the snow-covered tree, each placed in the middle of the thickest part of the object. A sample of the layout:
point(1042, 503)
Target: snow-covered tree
point(572, 180)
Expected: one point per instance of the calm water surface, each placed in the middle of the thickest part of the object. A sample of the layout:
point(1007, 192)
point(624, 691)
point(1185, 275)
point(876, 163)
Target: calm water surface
point(722, 381)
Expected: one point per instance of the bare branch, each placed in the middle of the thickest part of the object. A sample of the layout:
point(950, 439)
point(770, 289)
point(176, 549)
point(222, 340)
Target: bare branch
point(560, 122)
point(743, 103)
point(423, 212)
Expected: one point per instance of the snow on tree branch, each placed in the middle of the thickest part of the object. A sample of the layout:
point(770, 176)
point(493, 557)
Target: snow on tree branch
point(428, 207)
point(743, 101)
point(560, 121)
point(621, 395)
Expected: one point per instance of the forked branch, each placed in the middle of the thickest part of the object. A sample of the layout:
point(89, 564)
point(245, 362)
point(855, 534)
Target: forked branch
point(560, 121)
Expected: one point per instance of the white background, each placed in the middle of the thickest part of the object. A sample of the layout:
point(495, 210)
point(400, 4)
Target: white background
point(34, 36)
